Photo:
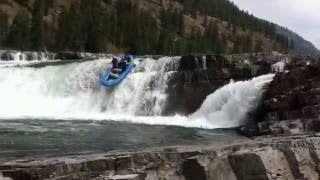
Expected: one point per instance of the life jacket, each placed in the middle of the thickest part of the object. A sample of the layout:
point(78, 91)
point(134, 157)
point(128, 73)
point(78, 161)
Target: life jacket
point(115, 62)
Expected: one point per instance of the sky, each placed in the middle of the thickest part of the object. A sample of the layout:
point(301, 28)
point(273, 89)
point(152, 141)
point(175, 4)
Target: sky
point(300, 16)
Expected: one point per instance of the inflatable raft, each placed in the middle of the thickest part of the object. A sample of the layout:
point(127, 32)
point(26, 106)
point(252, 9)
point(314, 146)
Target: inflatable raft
point(112, 79)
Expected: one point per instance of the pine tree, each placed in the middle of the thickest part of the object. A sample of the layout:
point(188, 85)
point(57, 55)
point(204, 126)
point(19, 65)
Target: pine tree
point(72, 33)
point(258, 47)
point(37, 27)
point(4, 28)
point(94, 25)
point(247, 44)
point(238, 45)
point(18, 37)
point(215, 37)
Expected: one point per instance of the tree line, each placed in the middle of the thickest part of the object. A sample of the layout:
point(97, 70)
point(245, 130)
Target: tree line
point(95, 27)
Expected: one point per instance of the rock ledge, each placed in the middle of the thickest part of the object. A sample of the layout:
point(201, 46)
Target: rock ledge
point(285, 157)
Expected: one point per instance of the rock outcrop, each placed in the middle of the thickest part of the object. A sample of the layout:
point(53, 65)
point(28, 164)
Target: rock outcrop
point(292, 104)
point(295, 157)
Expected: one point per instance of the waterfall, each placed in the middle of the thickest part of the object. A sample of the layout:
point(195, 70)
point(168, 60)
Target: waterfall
point(75, 88)
point(73, 92)
point(229, 106)
point(11, 55)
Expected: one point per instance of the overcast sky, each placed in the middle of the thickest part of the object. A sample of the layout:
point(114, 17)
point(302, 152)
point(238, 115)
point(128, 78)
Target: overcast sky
point(301, 16)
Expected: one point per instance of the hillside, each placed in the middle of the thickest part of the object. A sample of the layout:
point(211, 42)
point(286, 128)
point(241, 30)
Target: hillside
point(301, 45)
point(137, 26)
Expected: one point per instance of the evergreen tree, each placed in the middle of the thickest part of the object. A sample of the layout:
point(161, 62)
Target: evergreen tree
point(247, 44)
point(37, 26)
point(238, 45)
point(4, 28)
point(216, 45)
point(18, 36)
point(258, 47)
point(47, 5)
point(72, 33)
point(93, 25)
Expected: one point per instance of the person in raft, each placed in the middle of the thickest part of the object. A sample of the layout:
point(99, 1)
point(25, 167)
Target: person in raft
point(115, 62)
point(116, 65)
point(125, 62)
point(116, 68)
point(119, 67)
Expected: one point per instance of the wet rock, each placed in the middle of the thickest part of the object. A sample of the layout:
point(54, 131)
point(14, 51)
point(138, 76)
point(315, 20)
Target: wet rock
point(192, 170)
point(191, 62)
point(250, 130)
point(69, 55)
point(195, 93)
point(296, 126)
point(16, 174)
point(292, 161)
point(248, 167)
point(292, 102)
point(123, 165)
point(122, 177)
point(218, 61)
point(5, 56)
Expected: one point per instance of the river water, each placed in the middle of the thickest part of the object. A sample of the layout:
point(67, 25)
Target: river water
point(56, 110)
point(32, 138)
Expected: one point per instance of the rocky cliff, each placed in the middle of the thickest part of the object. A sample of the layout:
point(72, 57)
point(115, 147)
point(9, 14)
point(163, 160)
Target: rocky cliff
point(295, 157)
point(292, 102)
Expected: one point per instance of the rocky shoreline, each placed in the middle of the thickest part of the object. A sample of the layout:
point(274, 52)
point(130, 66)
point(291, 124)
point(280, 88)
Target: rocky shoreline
point(283, 157)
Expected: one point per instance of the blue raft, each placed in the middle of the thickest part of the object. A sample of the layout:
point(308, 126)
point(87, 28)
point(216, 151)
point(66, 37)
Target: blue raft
point(110, 82)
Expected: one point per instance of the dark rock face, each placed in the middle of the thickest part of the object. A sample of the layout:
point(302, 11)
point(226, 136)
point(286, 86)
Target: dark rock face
point(68, 55)
point(192, 170)
point(248, 167)
point(5, 57)
point(292, 157)
point(187, 98)
point(292, 102)
point(292, 161)
point(190, 62)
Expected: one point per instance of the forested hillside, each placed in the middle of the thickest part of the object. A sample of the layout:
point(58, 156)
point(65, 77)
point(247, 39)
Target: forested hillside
point(136, 26)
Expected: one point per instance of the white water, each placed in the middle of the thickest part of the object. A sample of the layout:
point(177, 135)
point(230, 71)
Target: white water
point(229, 106)
point(73, 92)
point(278, 67)
point(16, 58)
